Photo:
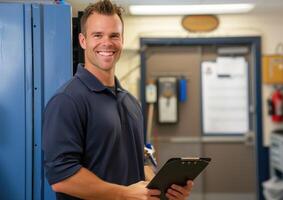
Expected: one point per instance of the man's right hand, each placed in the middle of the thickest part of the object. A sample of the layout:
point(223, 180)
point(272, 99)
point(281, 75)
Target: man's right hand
point(138, 191)
point(86, 185)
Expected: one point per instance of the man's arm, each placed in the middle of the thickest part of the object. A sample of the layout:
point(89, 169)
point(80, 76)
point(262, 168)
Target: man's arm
point(62, 134)
point(86, 185)
point(149, 173)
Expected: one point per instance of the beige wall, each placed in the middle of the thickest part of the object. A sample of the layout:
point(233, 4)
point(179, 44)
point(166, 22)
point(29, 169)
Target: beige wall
point(268, 26)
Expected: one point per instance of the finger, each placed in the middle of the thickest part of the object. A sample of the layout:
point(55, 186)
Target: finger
point(153, 192)
point(175, 193)
point(190, 183)
point(154, 198)
point(170, 197)
point(183, 190)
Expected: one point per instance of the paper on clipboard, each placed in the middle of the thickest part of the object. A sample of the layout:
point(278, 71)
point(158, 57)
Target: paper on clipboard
point(225, 96)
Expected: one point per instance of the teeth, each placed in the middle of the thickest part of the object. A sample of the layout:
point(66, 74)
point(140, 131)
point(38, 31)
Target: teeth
point(105, 53)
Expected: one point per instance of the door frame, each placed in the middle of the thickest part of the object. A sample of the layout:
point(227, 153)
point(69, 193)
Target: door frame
point(262, 153)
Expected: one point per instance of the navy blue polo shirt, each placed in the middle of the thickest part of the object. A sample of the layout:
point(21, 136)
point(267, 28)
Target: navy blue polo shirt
point(86, 125)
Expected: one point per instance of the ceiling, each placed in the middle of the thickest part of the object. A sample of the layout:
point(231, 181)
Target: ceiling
point(261, 6)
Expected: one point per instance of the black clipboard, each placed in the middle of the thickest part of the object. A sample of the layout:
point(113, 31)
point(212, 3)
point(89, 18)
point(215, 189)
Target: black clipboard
point(177, 171)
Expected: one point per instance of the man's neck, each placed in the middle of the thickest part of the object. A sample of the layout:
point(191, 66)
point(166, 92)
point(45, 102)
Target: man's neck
point(105, 77)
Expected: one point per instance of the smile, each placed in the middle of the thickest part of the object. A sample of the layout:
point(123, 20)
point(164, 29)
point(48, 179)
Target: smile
point(106, 53)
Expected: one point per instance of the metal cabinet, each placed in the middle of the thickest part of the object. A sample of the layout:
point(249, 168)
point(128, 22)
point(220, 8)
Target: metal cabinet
point(35, 59)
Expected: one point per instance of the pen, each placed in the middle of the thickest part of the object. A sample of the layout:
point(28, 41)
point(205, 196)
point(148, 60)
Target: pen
point(149, 151)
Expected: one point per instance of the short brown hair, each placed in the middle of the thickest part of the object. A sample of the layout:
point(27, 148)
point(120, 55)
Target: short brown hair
point(104, 7)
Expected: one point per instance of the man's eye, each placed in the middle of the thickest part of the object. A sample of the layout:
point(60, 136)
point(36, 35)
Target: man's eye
point(115, 36)
point(97, 35)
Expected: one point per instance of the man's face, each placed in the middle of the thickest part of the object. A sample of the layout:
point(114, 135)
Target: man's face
point(103, 41)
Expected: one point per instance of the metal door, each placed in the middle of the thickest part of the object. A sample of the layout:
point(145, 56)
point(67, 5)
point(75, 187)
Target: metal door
point(52, 68)
point(15, 102)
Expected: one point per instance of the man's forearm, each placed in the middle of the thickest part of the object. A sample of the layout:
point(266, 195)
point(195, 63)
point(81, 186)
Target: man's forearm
point(86, 185)
point(149, 173)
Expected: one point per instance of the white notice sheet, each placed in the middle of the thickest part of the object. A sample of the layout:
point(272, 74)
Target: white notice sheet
point(225, 96)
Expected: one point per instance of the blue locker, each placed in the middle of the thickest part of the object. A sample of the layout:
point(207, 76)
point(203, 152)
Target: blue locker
point(35, 59)
point(15, 104)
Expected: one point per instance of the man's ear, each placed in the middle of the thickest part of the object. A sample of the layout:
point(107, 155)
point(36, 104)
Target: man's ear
point(82, 40)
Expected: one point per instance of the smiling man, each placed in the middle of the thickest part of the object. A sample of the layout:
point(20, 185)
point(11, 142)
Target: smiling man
point(93, 128)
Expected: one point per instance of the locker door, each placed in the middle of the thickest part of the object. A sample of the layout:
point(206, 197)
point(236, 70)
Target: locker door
point(15, 102)
point(58, 66)
point(52, 68)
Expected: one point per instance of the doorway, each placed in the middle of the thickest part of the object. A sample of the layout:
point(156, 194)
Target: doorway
point(235, 172)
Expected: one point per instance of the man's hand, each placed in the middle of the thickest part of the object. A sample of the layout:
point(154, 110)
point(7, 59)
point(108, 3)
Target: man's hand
point(138, 191)
point(176, 192)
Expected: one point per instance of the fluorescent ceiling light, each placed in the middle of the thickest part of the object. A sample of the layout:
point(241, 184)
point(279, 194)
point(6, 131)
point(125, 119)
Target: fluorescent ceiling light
point(190, 9)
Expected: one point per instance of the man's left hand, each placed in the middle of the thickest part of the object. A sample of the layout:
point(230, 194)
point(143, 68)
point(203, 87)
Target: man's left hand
point(176, 192)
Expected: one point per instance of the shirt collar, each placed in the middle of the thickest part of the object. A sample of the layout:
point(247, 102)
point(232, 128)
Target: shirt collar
point(92, 82)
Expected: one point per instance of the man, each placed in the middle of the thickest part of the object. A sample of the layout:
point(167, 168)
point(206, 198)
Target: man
point(93, 129)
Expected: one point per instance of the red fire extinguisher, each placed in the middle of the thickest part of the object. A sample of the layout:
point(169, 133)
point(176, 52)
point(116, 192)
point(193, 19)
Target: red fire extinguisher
point(275, 106)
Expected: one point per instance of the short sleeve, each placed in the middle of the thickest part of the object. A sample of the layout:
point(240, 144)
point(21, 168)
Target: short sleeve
point(62, 139)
